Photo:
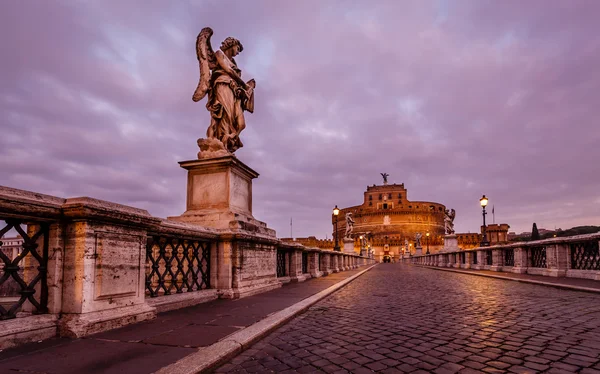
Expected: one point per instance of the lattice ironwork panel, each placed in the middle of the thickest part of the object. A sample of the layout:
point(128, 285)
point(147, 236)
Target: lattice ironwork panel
point(176, 264)
point(463, 258)
point(538, 257)
point(280, 263)
point(474, 256)
point(304, 262)
point(585, 255)
point(509, 257)
point(23, 277)
point(488, 257)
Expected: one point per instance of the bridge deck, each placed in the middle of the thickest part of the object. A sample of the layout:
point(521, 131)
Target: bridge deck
point(397, 318)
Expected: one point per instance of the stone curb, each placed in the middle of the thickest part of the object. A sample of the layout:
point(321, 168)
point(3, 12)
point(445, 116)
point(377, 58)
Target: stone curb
point(210, 357)
point(550, 284)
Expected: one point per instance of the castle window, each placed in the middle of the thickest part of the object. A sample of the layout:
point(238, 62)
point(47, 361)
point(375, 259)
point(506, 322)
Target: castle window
point(440, 209)
point(410, 207)
point(385, 206)
point(399, 196)
point(380, 196)
point(370, 203)
point(390, 195)
point(370, 197)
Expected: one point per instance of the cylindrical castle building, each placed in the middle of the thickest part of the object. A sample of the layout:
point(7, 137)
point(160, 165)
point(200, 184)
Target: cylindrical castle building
point(387, 218)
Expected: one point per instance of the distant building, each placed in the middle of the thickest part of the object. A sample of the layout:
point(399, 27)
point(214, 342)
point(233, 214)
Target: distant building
point(11, 246)
point(311, 241)
point(388, 219)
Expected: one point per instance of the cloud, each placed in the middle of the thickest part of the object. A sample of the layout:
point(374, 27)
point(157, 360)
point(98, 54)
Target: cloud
point(454, 99)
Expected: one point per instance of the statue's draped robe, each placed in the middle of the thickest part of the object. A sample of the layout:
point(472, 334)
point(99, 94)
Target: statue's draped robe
point(226, 103)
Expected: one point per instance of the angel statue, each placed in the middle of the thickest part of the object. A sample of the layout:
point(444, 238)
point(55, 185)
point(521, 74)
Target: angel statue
point(385, 175)
point(228, 94)
point(349, 225)
point(449, 221)
point(418, 237)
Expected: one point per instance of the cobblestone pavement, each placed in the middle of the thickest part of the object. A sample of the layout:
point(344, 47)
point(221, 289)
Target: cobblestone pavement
point(397, 318)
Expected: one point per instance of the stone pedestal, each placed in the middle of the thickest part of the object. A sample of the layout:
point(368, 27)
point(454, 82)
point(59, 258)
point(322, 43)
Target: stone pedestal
point(450, 243)
point(349, 245)
point(219, 195)
point(418, 251)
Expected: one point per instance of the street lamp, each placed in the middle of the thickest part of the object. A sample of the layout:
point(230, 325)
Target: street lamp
point(336, 212)
point(362, 245)
point(484, 241)
point(427, 235)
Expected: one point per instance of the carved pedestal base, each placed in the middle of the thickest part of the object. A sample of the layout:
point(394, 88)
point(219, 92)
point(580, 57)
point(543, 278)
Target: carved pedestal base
point(418, 251)
point(349, 245)
point(219, 195)
point(450, 243)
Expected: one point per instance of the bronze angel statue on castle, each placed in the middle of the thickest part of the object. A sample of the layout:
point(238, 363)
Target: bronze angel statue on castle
point(228, 95)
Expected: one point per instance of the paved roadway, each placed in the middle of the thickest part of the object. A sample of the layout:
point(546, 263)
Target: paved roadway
point(398, 318)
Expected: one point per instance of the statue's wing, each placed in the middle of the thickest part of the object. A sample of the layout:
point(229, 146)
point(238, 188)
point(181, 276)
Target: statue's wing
point(207, 61)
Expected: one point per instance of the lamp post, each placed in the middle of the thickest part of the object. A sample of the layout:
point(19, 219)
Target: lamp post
point(427, 235)
point(484, 241)
point(362, 245)
point(336, 212)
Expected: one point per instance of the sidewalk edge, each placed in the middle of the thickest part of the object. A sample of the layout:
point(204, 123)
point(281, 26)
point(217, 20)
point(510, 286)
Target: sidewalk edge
point(550, 284)
point(207, 358)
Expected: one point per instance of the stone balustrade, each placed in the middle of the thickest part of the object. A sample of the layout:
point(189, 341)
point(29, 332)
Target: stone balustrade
point(575, 257)
point(89, 265)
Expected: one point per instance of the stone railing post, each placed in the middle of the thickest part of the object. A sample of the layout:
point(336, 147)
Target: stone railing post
point(451, 259)
point(441, 260)
point(468, 260)
point(104, 266)
point(313, 263)
point(481, 259)
point(296, 265)
point(224, 269)
point(336, 262)
point(457, 262)
point(497, 260)
point(557, 259)
point(326, 263)
point(521, 261)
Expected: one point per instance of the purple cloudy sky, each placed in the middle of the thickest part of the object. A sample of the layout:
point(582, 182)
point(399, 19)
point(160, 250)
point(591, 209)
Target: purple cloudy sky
point(453, 98)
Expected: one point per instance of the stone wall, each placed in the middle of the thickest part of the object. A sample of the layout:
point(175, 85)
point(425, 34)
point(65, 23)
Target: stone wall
point(575, 257)
point(97, 265)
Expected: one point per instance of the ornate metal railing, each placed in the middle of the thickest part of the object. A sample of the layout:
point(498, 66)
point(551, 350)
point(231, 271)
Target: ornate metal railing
point(538, 256)
point(319, 261)
point(176, 264)
point(463, 258)
point(281, 263)
point(509, 257)
point(24, 276)
point(304, 262)
point(474, 256)
point(585, 255)
point(488, 257)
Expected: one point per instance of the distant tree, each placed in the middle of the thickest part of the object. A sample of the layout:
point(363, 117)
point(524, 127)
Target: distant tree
point(535, 234)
